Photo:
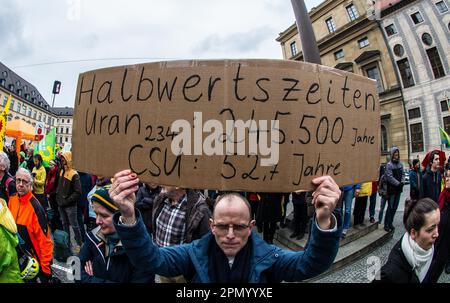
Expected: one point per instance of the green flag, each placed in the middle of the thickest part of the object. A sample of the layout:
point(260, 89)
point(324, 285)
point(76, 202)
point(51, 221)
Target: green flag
point(46, 148)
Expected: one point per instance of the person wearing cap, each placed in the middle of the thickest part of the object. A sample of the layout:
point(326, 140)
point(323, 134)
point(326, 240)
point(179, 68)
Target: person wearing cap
point(68, 193)
point(415, 179)
point(103, 258)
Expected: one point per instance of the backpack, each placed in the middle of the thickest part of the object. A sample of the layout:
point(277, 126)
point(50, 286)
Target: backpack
point(61, 245)
point(383, 187)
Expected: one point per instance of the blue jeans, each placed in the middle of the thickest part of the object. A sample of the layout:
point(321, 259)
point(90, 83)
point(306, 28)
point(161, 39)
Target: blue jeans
point(373, 202)
point(382, 206)
point(347, 204)
point(393, 202)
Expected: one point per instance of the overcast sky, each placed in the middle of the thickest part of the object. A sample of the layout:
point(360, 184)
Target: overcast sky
point(36, 35)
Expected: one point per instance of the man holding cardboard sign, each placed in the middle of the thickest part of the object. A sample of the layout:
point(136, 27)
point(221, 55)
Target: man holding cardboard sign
point(231, 252)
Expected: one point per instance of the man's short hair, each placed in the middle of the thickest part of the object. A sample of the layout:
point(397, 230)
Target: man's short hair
point(5, 160)
point(231, 196)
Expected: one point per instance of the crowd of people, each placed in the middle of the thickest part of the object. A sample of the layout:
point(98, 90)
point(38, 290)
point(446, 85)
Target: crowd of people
point(129, 231)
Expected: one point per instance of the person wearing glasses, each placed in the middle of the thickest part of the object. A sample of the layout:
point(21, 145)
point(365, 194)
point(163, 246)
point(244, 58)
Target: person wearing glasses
point(232, 251)
point(32, 224)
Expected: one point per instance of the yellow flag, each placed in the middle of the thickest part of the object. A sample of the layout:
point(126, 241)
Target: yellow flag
point(3, 120)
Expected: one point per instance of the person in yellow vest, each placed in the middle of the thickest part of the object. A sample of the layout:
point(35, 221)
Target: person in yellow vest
point(361, 204)
point(39, 174)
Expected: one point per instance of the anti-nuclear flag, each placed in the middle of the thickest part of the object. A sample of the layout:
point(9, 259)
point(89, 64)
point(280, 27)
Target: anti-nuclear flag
point(445, 138)
point(46, 148)
point(3, 120)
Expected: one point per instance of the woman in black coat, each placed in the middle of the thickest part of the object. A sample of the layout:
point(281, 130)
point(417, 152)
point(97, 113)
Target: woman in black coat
point(411, 259)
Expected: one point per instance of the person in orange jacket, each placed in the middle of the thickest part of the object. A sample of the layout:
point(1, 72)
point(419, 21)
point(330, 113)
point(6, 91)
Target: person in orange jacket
point(32, 223)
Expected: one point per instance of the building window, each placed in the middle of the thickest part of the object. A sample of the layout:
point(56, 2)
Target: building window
point(399, 51)
point(339, 54)
point(29, 112)
point(363, 42)
point(447, 124)
point(67, 139)
point(384, 139)
point(293, 49)
point(62, 121)
point(374, 73)
point(11, 105)
point(24, 109)
point(11, 87)
point(414, 113)
point(62, 130)
point(405, 73)
point(427, 39)
point(330, 24)
point(19, 107)
point(390, 30)
point(40, 117)
point(417, 18)
point(444, 105)
point(436, 64)
point(67, 130)
point(3, 81)
point(442, 7)
point(352, 12)
point(416, 137)
point(5, 100)
point(34, 114)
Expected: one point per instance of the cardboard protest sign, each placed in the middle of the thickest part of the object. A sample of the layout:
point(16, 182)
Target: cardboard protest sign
point(252, 125)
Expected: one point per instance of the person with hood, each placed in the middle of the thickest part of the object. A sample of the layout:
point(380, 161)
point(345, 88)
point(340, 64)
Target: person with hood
point(23, 160)
point(9, 264)
point(395, 180)
point(68, 193)
point(432, 178)
point(145, 197)
point(103, 258)
point(411, 259)
point(12, 155)
point(416, 181)
point(30, 160)
point(231, 251)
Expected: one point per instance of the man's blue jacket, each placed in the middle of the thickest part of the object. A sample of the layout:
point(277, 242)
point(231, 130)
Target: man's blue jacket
point(269, 263)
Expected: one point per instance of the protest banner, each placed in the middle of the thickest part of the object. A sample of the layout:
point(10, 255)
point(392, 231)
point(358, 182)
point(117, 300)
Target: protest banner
point(252, 125)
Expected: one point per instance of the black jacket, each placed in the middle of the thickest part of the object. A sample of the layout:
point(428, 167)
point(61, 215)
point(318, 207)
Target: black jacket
point(432, 184)
point(114, 266)
point(197, 215)
point(398, 270)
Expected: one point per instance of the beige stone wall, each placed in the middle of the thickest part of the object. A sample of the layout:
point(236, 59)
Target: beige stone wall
point(396, 125)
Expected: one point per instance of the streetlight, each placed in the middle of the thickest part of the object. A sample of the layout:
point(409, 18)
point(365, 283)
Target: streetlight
point(56, 89)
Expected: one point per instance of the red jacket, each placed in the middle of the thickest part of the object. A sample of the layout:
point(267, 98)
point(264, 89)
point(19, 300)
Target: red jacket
point(50, 182)
point(33, 228)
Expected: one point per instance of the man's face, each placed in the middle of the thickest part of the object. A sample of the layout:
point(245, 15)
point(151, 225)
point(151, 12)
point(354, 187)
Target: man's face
point(173, 193)
point(104, 219)
point(435, 163)
point(23, 183)
point(428, 234)
point(2, 167)
point(233, 212)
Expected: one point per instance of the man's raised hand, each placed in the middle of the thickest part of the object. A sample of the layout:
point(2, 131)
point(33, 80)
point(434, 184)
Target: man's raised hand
point(122, 193)
point(325, 198)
